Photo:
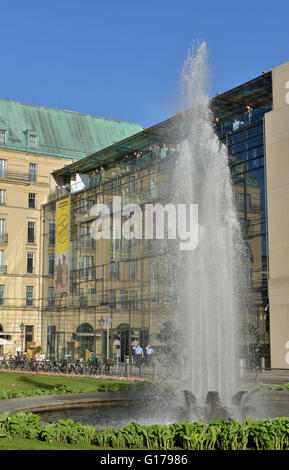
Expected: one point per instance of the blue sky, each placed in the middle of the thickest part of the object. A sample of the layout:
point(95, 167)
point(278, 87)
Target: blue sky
point(122, 59)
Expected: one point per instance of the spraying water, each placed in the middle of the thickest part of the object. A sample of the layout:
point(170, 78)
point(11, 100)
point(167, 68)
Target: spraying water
point(208, 278)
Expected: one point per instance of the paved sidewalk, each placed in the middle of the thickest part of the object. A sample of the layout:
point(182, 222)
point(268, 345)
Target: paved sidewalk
point(268, 377)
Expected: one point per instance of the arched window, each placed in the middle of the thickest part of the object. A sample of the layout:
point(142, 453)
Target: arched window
point(86, 338)
point(84, 328)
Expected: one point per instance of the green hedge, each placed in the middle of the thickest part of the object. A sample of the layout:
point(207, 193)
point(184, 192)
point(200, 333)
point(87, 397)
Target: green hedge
point(272, 434)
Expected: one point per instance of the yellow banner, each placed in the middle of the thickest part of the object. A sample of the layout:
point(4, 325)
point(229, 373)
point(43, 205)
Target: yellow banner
point(62, 245)
point(62, 225)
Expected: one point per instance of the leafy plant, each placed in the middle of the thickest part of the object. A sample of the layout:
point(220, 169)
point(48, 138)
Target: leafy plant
point(271, 434)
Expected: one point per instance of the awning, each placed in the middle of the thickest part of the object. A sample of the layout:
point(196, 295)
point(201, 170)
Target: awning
point(4, 341)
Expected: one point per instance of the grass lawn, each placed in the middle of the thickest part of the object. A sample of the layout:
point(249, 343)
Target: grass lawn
point(24, 382)
point(30, 382)
point(35, 444)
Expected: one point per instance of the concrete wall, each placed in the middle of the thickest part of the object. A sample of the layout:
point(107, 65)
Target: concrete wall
point(277, 160)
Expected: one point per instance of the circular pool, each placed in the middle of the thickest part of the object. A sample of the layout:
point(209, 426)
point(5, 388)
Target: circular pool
point(174, 408)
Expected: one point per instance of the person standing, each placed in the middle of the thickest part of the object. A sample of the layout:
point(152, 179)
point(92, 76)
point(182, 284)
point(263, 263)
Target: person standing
point(149, 354)
point(138, 354)
point(163, 152)
point(101, 174)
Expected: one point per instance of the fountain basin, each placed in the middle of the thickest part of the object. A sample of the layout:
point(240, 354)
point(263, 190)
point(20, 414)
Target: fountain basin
point(68, 401)
point(117, 409)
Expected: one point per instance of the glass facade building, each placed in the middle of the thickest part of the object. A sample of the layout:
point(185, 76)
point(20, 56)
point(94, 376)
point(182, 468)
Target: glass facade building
point(123, 281)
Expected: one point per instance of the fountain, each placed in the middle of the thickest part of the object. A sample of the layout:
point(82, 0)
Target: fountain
point(208, 279)
point(205, 284)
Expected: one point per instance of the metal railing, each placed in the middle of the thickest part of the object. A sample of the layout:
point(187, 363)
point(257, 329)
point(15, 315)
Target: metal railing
point(106, 368)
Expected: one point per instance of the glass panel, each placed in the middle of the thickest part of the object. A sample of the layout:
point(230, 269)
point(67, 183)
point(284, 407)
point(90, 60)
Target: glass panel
point(29, 296)
point(31, 232)
point(51, 234)
point(30, 263)
point(31, 200)
point(2, 294)
point(51, 264)
point(32, 172)
point(2, 197)
point(3, 137)
point(33, 141)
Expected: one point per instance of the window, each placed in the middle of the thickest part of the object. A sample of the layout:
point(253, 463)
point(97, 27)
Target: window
point(32, 200)
point(132, 270)
point(241, 201)
point(29, 296)
point(114, 270)
point(51, 264)
point(82, 297)
point(33, 141)
point(2, 262)
point(86, 266)
point(32, 172)
point(51, 234)
point(85, 239)
point(51, 298)
point(51, 335)
point(3, 137)
point(91, 291)
point(132, 184)
point(115, 245)
point(133, 299)
point(2, 197)
point(123, 299)
point(154, 279)
point(3, 168)
point(112, 301)
point(31, 232)
point(2, 294)
point(29, 330)
point(2, 230)
point(30, 263)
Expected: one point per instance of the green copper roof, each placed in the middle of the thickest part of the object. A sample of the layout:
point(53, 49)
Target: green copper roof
point(60, 133)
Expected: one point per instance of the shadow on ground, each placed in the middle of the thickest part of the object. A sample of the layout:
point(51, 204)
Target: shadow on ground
point(29, 380)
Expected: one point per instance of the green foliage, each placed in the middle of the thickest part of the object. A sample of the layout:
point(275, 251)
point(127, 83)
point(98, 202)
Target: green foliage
point(219, 434)
point(271, 434)
point(67, 431)
point(20, 425)
point(282, 387)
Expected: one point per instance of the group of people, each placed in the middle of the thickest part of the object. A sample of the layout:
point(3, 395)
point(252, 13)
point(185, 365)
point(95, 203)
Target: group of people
point(97, 176)
point(153, 153)
point(142, 157)
point(142, 356)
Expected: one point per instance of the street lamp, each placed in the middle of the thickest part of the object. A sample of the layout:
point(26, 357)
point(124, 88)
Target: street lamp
point(101, 322)
point(108, 325)
point(22, 335)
